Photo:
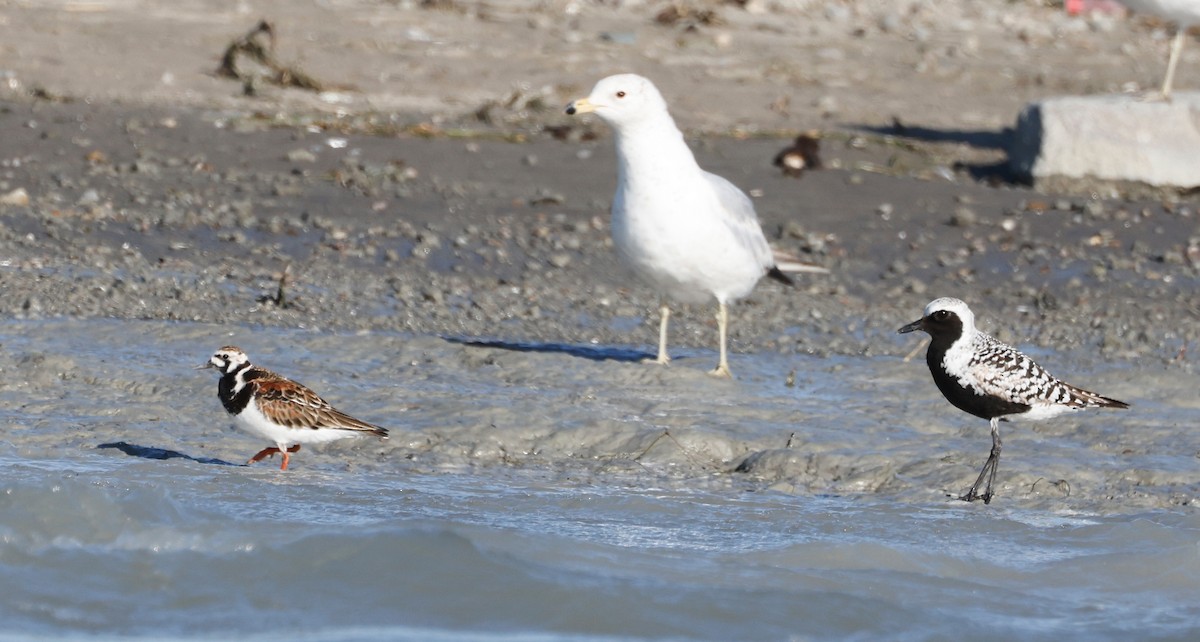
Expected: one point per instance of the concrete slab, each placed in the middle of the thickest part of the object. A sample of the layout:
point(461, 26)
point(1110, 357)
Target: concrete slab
point(1119, 138)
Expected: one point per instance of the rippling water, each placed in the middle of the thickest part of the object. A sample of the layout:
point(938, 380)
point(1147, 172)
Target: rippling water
point(141, 548)
point(126, 541)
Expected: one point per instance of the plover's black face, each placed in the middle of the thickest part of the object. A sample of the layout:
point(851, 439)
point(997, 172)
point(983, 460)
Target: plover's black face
point(228, 359)
point(944, 319)
point(942, 323)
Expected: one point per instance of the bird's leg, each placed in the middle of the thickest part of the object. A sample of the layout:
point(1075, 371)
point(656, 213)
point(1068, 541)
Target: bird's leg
point(270, 452)
point(1173, 61)
point(722, 369)
point(287, 457)
point(263, 454)
point(664, 315)
point(989, 469)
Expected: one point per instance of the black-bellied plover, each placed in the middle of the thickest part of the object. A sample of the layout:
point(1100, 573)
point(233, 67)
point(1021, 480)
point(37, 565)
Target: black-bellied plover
point(982, 376)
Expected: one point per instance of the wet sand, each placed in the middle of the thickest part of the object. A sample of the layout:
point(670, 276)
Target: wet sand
point(483, 236)
point(399, 201)
point(859, 427)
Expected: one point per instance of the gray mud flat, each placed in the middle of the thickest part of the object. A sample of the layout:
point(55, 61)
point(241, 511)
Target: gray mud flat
point(188, 216)
point(564, 490)
point(846, 425)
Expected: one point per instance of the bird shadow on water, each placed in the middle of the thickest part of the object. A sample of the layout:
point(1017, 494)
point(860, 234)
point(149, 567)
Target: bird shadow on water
point(593, 353)
point(150, 452)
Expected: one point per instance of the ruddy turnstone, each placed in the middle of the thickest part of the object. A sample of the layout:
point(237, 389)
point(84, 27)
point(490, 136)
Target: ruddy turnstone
point(690, 234)
point(279, 409)
point(1184, 13)
point(991, 380)
point(802, 155)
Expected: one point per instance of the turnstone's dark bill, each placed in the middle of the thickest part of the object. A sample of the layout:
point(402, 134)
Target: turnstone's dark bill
point(989, 379)
point(692, 235)
point(279, 409)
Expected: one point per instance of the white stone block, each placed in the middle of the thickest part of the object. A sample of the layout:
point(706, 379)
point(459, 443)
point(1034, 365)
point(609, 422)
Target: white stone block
point(1110, 138)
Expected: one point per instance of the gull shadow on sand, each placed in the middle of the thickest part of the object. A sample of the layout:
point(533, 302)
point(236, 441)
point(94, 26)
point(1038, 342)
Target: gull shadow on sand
point(593, 353)
point(150, 452)
point(1000, 140)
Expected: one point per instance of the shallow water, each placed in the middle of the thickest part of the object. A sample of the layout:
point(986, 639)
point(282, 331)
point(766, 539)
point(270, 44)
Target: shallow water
point(532, 494)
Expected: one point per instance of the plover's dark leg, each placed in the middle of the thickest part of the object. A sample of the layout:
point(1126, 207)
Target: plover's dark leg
point(989, 469)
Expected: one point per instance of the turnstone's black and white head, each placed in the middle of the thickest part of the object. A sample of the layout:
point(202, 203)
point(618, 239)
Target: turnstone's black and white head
point(228, 360)
point(988, 379)
point(279, 409)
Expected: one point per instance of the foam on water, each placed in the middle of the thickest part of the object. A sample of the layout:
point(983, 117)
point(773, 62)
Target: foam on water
point(546, 536)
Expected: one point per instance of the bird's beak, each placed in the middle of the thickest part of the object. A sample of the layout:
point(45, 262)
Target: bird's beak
point(915, 325)
point(581, 106)
point(204, 366)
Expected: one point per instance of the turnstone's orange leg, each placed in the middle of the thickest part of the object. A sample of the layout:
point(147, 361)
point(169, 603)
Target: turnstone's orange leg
point(287, 457)
point(270, 452)
point(263, 454)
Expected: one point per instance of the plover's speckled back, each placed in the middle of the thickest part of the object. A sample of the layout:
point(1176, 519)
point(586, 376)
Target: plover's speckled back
point(692, 235)
point(982, 376)
point(279, 409)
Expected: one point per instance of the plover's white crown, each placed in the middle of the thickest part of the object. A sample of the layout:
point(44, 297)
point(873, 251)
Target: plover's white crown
point(951, 304)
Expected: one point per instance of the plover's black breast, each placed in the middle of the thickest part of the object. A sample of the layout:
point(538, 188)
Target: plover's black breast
point(984, 386)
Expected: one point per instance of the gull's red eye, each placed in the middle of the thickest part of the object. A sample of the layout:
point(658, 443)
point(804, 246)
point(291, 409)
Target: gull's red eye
point(620, 94)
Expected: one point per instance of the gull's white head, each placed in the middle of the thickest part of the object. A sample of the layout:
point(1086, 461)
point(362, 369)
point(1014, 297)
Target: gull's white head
point(622, 99)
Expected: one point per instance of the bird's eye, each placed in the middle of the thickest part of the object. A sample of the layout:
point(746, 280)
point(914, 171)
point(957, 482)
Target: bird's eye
point(941, 315)
point(620, 94)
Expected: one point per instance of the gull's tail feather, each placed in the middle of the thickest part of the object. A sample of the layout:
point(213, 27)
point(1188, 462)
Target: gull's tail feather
point(781, 276)
point(788, 264)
